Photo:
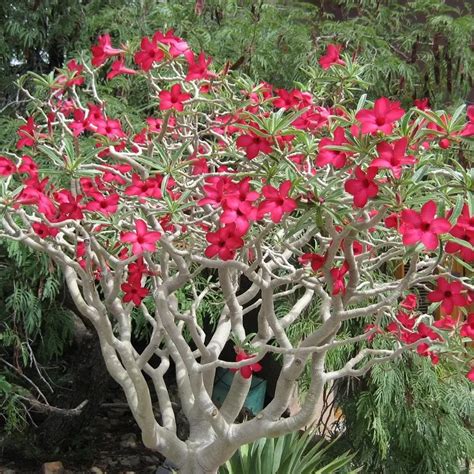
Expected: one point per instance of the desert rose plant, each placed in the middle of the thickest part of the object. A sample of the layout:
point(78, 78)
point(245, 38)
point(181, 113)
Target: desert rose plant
point(215, 180)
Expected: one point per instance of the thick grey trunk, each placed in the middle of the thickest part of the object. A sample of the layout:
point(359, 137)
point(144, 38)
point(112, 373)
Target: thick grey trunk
point(193, 467)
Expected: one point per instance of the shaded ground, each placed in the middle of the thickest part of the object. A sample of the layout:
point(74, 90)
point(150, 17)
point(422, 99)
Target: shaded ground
point(111, 444)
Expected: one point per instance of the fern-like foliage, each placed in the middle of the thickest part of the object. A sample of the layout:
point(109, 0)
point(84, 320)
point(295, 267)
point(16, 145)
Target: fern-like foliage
point(410, 418)
point(33, 323)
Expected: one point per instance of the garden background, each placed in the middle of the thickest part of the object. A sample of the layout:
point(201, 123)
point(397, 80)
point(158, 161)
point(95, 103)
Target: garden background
point(408, 418)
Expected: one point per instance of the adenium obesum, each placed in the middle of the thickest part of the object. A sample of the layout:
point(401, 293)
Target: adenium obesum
point(242, 195)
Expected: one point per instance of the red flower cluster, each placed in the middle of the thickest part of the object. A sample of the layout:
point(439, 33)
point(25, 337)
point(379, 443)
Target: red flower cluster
point(237, 200)
point(408, 330)
point(133, 290)
point(265, 189)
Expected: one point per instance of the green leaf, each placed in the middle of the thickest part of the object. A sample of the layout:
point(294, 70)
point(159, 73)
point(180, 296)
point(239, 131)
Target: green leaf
point(457, 113)
point(432, 117)
point(361, 102)
point(457, 209)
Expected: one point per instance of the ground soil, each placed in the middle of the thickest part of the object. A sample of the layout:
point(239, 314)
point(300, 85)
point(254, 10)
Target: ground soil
point(110, 444)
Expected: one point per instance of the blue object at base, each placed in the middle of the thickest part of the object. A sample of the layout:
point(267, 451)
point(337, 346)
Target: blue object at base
point(255, 398)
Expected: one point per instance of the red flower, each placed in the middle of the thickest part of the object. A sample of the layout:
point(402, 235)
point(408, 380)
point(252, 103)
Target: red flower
point(376, 329)
point(176, 46)
point(69, 206)
point(239, 193)
point(363, 186)
point(103, 50)
point(27, 134)
point(467, 329)
point(444, 143)
point(381, 117)
point(216, 191)
point(73, 76)
point(247, 370)
point(422, 226)
point(254, 144)
point(312, 119)
point(94, 116)
point(277, 201)
point(327, 156)
point(331, 57)
point(405, 320)
point(147, 188)
point(392, 221)
point(28, 166)
point(79, 123)
point(198, 69)
point(423, 350)
point(410, 302)
point(32, 194)
point(114, 175)
point(393, 157)
point(43, 230)
point(149, 53)
point(316, 260)
point(463, 230)
point(137, 269)
point(241, 216)
point(294, 99)
point(118, 67)
point(462, 233)
point(134, 292)
point(422, 104)
point(173, 99)
point(447, 323)
point(103, 204)
point(224, 242)
point(468, 130)
point(142, 239)
point(470, 375)
point(110, 128)
point(426, 331)
point(450, 295)
point(338, 282)
point(465, 219)
point(7, 167)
